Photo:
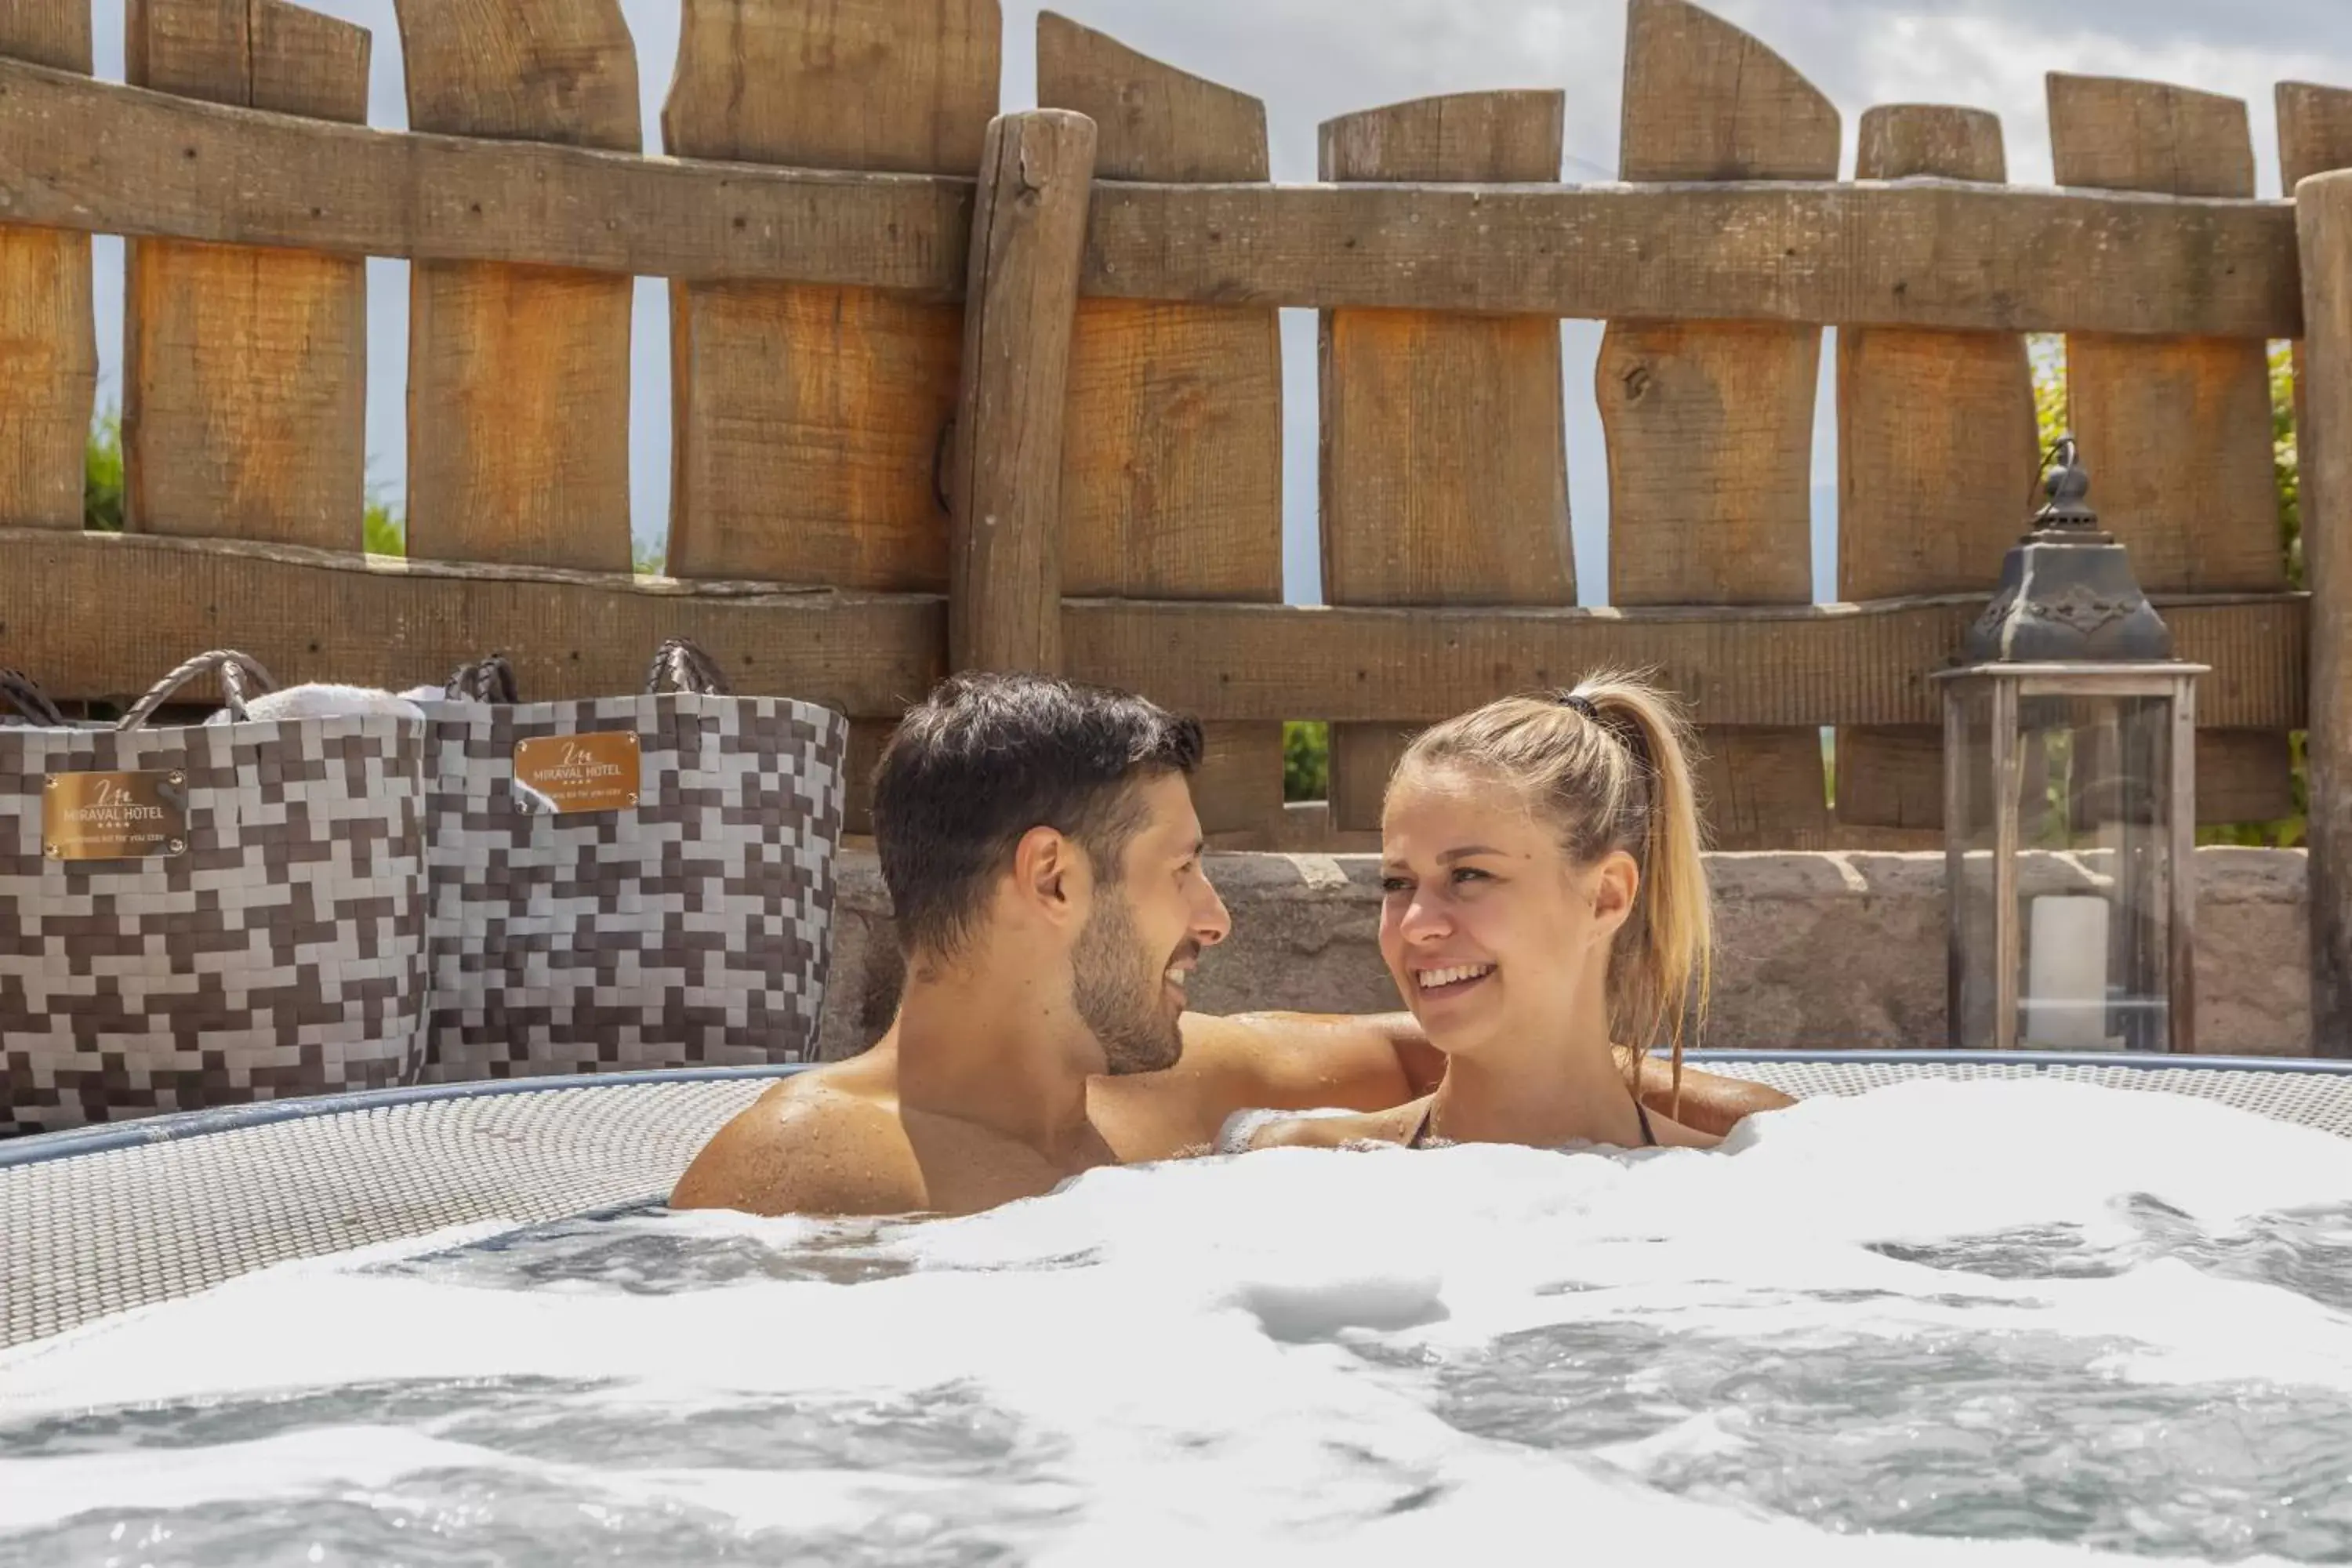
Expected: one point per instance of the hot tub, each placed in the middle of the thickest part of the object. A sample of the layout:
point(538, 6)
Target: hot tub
point(1985, 1313)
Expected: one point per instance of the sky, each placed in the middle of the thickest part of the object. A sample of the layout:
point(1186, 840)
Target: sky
point(1312, 59)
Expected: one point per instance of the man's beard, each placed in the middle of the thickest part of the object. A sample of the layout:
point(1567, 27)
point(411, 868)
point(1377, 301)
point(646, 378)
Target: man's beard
point(1117, 998)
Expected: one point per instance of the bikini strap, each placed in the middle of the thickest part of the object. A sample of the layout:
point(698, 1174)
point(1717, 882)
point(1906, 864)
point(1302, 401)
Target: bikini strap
point(1649, 1139)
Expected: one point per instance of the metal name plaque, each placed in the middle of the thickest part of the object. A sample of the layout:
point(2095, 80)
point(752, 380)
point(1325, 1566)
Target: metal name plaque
point(114, 816)
point(561, 775)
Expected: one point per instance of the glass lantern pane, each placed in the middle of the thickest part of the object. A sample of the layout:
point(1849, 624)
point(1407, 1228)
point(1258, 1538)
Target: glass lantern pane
point(2085, 781)
point(2093, 779)
point(1970, 836)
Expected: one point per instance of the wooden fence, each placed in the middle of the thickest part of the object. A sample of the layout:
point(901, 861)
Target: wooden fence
point(952, 388)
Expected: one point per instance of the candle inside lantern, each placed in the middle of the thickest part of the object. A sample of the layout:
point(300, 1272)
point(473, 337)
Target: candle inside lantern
point(2066, 973)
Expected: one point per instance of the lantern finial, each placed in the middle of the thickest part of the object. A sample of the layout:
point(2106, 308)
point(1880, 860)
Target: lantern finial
point(2068, 487)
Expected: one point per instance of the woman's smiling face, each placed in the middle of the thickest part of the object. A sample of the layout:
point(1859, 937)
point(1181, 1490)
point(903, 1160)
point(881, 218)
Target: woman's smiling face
point(1488, 927)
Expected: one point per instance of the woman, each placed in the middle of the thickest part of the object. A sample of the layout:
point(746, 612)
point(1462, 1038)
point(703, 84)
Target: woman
point(1545, 917)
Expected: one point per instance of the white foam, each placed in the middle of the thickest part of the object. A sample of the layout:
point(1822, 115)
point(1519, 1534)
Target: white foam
point(1179, 1343)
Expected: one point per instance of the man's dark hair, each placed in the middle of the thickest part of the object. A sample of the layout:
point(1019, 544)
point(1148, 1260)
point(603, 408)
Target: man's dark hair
point(984, 759)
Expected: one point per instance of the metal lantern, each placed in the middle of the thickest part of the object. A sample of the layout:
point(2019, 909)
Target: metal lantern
point(2070, 800)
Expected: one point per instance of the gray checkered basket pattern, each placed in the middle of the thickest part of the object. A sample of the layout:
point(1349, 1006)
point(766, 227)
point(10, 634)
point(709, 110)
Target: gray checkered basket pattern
point(282, 954)
point(692, 929)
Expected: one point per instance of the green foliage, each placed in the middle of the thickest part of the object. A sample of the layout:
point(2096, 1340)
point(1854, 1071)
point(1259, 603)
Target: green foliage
point(380, 531)
point(1305, 761)
point(2048, 357)
point(2287, 465)
point(101, 488)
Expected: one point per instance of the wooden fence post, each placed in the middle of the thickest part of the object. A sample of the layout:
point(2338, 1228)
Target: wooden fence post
point(244, 372)
point(1171, 472)
point(2315, 137)
point(1004, 538)
point(48, 336)
point(2324, 230)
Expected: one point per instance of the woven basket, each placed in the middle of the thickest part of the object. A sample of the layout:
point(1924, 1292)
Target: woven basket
point(277, 950)
point(691, 928)
point(22, 702)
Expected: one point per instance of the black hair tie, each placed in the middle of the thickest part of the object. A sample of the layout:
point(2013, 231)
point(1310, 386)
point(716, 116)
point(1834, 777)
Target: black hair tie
point(1626, 734)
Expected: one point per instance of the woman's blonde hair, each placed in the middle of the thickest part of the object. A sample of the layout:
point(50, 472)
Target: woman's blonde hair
point(1609, 765)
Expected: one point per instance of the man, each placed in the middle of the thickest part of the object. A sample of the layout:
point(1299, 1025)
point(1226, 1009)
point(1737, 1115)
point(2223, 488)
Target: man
point(1043, 862)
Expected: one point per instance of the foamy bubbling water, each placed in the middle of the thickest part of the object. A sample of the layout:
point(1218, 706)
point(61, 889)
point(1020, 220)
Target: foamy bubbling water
point(1967, 1323)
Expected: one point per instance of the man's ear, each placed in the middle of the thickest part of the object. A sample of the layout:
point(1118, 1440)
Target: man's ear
point(1050, 876)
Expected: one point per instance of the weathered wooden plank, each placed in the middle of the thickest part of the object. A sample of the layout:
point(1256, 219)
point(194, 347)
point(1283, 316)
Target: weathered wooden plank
point(48, 337)
point(2239, 776)
point(1739, 666)
point(244, 375)
point(1172, 469)
point(1935, 460)
point(312, 614)
point(2323, 212)
point(810, 423)
point(809, 420)
point(872, 85)
point(315, 614)
point(519, 376)
point(1709, 425)
point(2178, 430)
point(2117, 133)
point(1005, 538)
point(1742, 112)
point(1930, 254)
point(84, 155)
point(1444, 469)
point(81, 155)
point(46, 32)
point(2315, 131)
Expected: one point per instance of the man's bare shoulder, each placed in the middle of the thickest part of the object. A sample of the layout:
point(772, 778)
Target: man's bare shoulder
point(823, 1143)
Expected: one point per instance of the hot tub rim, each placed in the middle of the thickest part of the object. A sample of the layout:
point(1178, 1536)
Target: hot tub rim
point(39, 1148)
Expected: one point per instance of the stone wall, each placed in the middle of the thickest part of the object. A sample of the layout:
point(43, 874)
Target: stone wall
point(1843, 950)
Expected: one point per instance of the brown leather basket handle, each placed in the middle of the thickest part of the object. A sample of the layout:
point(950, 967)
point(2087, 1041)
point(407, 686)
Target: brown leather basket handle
point(490, 681)
point(235, 670)
point(682, 666)
point(22, 693)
